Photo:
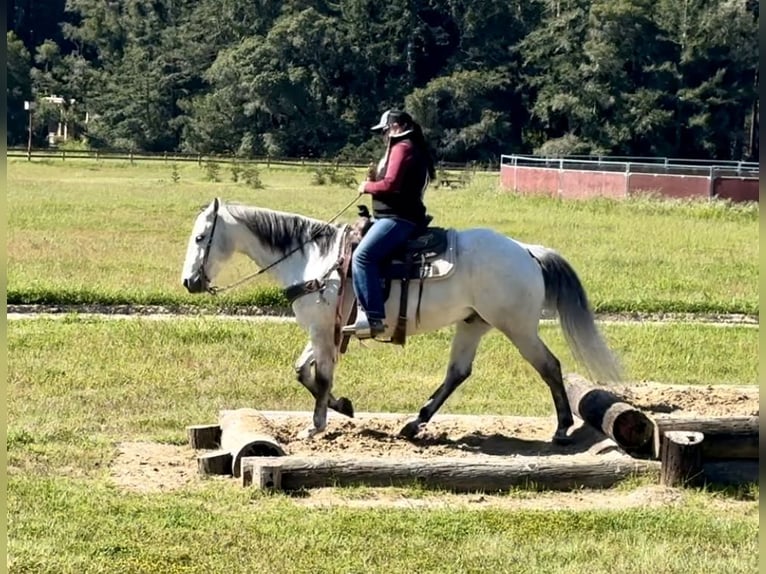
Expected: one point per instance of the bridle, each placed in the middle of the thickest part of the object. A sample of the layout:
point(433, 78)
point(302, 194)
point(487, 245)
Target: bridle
point(209, 243)
point(213, 290)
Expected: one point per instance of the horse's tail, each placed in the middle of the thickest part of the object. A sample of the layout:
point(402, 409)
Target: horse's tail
point(565, 294)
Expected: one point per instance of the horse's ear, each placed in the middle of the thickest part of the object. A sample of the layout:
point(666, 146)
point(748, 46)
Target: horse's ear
point(216, 203)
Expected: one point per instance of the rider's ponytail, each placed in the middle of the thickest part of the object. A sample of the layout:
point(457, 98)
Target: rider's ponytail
point(408, 123)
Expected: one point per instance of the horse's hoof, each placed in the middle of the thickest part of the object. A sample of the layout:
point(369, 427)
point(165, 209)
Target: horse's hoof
point(345, 407)
point(309, 433)
point(561, 438)
point(411, 429)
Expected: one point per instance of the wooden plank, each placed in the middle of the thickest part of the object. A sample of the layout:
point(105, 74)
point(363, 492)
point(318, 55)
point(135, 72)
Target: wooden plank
point(455, 474)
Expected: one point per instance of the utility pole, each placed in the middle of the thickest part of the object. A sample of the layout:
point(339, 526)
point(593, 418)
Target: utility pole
point(29, 106)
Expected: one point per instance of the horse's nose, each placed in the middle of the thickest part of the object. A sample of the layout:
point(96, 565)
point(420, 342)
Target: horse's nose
point(186, 283)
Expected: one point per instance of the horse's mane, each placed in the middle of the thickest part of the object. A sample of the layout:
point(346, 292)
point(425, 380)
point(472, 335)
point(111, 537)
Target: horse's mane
point(284, 232)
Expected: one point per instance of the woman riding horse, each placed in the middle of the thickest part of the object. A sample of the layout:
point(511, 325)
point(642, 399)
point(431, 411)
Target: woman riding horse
point(398, 211)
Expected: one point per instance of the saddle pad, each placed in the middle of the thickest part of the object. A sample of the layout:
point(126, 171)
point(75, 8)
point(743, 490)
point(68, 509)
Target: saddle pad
point(439, 267)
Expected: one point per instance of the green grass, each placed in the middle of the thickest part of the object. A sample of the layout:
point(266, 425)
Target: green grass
point(221, 529)
point(100, 232)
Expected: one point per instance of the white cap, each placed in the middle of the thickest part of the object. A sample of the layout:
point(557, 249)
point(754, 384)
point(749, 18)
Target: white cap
point(383, 123)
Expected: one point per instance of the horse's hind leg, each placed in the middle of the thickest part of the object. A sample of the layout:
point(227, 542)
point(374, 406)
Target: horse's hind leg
point(304, 370)
point(464, 346)
point(548, 366)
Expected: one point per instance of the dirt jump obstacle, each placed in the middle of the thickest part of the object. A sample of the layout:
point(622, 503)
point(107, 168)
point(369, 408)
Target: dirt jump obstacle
point(614, 440)
point(239, 433)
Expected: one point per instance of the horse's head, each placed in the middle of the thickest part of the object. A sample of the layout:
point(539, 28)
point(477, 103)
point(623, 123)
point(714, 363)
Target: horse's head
point(207, 249)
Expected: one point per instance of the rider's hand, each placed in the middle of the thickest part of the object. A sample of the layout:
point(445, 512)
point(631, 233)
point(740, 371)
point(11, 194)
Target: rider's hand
point(360, 189)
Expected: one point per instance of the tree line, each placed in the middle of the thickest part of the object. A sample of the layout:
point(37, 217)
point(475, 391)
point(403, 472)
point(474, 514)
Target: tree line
point(673, 78)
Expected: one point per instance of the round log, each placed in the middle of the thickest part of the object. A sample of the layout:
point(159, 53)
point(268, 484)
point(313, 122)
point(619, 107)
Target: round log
point(725, 437)
point(454, 474)
point(246, 432)
point(681, 458)
point(204, 437)
point(250, 445)
point(218, 462)
point(630, 428)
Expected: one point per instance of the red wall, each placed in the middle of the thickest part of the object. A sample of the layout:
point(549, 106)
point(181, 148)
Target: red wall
point(530, 179)
point(584, 184)
point(736, 188)
point(669, 185)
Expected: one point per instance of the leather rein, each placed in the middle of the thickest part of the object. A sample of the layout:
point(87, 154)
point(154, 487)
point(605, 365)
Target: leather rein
point(292, 292)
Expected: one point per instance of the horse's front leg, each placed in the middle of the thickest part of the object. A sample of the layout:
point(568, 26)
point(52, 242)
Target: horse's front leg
point(324, 368)
point(304, 369)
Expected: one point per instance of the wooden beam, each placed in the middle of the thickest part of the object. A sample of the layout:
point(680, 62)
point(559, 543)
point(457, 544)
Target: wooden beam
point(215, 462)
point(455, 474)
point(204, 437)
point(629, 427)
point(725, 437)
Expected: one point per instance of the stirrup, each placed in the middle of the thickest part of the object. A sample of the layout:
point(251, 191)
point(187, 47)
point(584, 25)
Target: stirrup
point(364, 328)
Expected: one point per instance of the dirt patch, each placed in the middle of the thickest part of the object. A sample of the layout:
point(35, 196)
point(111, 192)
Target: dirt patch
point(153, 467)
point(651, 496)
point(150, 467)
point(687, 400)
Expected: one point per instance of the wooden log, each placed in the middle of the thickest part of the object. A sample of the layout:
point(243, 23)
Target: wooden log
point(725, 437)
point(204, 437)
point(455, 474)
point(681, 458)
point(246, 433)
point(217, 462)
point(629, 427)
point(263, 476)
point(730, 472)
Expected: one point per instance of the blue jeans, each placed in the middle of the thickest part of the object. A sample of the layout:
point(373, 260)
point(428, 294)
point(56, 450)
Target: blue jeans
point(385, 236)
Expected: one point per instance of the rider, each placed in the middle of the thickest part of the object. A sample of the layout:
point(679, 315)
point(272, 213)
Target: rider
point(398, 211)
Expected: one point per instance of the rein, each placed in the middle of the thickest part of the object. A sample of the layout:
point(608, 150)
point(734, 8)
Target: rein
point(213, 290)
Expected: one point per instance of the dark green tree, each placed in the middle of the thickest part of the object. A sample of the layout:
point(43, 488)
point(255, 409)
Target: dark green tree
point(19, 89)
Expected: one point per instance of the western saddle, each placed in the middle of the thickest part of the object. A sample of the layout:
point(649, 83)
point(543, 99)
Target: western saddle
point(430, 254)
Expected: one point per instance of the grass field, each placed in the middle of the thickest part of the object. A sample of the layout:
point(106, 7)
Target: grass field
point(78, 386)
point(112, 232)
point(219, 529)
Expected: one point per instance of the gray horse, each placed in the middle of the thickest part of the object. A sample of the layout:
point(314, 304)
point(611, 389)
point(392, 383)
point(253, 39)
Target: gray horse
point(495, 282)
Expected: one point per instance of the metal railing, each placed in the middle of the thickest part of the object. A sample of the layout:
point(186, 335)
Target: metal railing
point(660, 166)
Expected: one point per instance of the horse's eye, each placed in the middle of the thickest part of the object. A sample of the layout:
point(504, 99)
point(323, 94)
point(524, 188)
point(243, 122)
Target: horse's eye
point(199, 238)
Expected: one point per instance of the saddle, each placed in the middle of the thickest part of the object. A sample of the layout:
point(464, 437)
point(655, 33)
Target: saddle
point(430, 254)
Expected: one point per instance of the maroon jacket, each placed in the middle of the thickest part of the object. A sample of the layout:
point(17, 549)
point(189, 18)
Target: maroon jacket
point(400, 193)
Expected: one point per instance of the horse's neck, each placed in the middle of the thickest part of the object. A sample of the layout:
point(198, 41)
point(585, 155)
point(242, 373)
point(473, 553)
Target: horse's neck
point(301, 265)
